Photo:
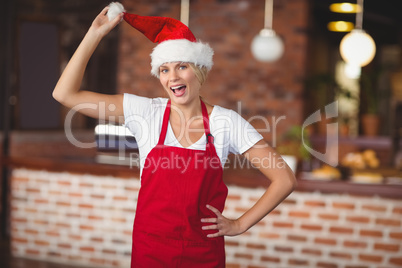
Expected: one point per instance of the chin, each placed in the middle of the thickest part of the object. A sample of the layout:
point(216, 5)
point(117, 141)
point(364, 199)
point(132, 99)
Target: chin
point(179, 100)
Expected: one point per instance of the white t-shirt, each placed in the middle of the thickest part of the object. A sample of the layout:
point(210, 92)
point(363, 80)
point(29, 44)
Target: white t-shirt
point(144, 117)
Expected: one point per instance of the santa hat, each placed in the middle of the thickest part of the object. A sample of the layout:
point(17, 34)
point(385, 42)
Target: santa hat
point(175, 40)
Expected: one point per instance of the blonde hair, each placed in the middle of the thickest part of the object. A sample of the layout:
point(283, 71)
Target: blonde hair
point(201, 72)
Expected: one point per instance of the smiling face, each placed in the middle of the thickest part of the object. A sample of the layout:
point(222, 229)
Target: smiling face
point(180, 82)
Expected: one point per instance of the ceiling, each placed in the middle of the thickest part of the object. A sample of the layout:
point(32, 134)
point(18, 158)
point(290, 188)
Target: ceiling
point(381, 19)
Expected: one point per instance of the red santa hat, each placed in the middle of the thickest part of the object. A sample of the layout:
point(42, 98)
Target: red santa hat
point(175, 40)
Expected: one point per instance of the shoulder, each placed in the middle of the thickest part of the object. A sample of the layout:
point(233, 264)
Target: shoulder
point(143, 115)
point(136, 107)
point(220, 113)
point(219, 110)
point(129, 98)
point(139, 103)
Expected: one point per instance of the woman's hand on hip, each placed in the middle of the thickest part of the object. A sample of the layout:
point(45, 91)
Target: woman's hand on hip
point(223, 225)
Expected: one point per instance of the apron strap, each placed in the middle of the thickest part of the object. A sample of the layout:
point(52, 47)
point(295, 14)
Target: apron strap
point(165, 122)
point(210, 138)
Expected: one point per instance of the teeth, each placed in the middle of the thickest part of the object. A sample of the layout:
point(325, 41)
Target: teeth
point(176, 87)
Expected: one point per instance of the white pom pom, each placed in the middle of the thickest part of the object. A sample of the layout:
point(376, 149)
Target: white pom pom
point(115, 8)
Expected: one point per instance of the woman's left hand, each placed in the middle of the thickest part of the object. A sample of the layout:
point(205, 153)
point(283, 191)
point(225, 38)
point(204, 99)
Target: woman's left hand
point(224, 225)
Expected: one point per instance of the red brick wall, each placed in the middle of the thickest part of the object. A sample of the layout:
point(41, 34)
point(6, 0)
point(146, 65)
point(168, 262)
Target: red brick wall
point(264, 89)
point(79, 219)
point(87, 220)
point(319, 230)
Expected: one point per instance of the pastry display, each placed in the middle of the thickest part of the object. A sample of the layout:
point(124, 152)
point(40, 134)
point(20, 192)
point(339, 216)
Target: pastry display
point(361, 160)
point(357, 167)
point(367, 177)
point(326, 172)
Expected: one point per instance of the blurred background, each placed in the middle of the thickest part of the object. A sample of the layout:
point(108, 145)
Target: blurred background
point(357, 150)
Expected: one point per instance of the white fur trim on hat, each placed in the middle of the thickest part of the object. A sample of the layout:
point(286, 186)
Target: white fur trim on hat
point(181, 50)
point(115, 8)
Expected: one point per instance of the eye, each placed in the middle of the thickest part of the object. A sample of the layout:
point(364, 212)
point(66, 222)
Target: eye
point(163, 71)
point(183, 67)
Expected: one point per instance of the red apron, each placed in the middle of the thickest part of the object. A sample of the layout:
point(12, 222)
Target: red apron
point(176, 185)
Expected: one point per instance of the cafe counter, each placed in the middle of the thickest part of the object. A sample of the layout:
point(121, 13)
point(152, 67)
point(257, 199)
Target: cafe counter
point(81, 212)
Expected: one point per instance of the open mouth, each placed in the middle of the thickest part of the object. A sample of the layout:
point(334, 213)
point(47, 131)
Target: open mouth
point(178, 90)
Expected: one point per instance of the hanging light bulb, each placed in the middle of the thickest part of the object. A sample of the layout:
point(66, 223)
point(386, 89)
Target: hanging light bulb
point(267, 46)
point(340, 26)
point(345, 8)
point(357, 47)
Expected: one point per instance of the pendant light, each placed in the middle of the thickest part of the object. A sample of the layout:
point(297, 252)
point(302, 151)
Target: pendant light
point(345, 8)
point(267, 46)
point(357, 47)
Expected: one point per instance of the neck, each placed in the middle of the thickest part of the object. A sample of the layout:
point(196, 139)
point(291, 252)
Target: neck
point(186, 112)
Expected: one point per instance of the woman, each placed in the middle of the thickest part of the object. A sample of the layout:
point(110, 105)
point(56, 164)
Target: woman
point(183, 143)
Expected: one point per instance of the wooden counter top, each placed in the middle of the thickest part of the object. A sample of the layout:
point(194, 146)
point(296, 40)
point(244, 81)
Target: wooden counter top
point(81, 165)
point(249, 178)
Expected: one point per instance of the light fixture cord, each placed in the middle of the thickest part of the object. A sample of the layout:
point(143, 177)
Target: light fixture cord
point(359, 15)
point(268, 15)
point(185, 12)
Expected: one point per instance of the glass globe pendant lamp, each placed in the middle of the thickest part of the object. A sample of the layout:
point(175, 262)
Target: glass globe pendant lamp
point(357, 47)
point(267, 46)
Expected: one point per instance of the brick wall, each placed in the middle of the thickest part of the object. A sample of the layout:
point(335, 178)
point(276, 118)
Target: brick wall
point(319, 230)
point(264, 89)
point(87, 220)
point(82, 219)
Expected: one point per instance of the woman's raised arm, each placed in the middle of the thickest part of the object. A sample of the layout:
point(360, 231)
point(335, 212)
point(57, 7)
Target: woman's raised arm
point(67, 90)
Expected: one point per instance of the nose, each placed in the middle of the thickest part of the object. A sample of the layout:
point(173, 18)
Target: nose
point(173, 76)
